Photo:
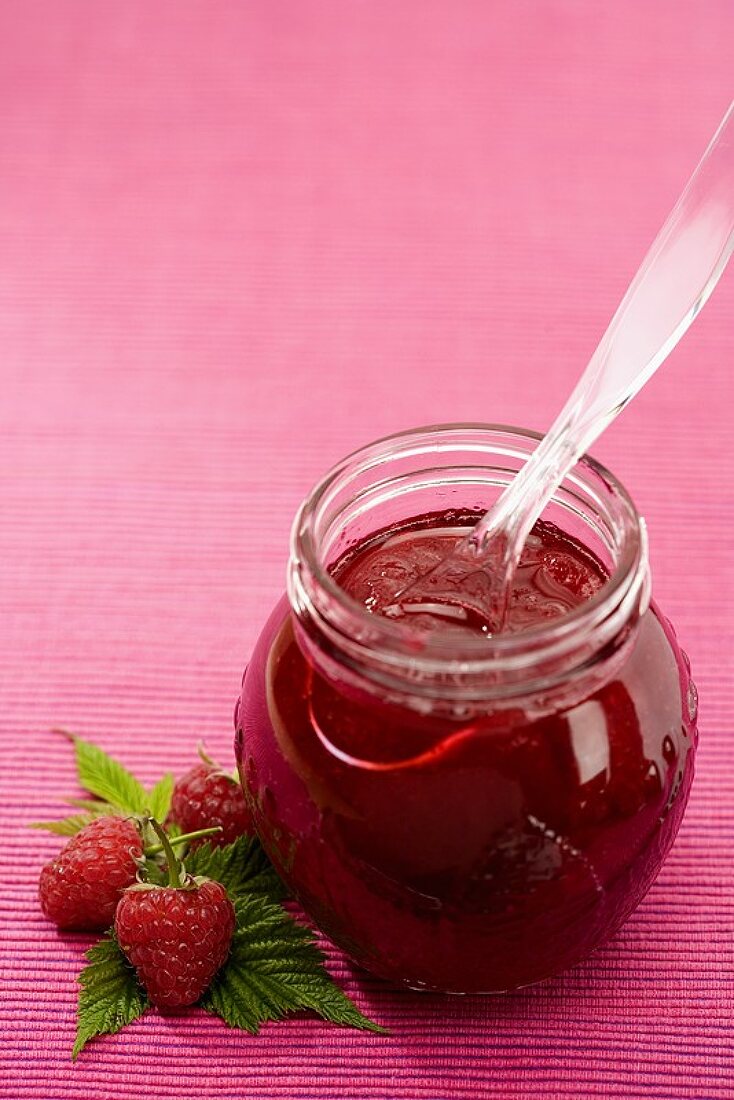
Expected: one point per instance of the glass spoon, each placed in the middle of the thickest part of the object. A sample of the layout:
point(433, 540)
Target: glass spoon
point(673, 282)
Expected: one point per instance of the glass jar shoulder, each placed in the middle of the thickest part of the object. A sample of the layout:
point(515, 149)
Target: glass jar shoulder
point(632, 731)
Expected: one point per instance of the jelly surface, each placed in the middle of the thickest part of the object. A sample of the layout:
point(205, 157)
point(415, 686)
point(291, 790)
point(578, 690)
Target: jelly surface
point(554, 575)
point(467, 855)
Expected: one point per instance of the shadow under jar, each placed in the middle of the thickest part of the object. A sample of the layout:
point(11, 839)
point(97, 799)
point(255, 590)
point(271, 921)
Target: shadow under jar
point(460, 811)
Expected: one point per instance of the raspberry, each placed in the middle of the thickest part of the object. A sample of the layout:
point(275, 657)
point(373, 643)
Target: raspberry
point(208, 796)
point(80, 889)
point(176, 938)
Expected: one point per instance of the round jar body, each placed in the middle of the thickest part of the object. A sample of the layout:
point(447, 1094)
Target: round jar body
point(458, 825)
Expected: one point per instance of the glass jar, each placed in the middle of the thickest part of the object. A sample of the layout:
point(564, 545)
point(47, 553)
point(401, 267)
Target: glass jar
point(468, 814)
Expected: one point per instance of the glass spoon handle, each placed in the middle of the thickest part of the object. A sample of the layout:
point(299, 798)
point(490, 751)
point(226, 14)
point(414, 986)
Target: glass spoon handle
point(673, 282)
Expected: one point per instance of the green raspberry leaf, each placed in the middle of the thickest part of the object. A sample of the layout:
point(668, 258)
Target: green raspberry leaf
point(155, 874)
point(68, 826)
point(110, 995)
point(275, 968)
point(159, 797)
point(242, 868)
point(92, 809)
point(105, 777)
point(93, 806)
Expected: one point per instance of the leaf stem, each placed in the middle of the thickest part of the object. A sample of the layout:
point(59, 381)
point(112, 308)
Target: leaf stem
point(204, 755)
point(64, 732)
point(174, 864)
point(182, 839)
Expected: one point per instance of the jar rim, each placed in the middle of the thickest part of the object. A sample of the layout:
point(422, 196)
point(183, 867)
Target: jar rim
point(310, 583)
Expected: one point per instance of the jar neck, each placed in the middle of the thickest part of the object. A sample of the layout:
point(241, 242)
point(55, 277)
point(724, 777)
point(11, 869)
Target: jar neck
point(536, 668)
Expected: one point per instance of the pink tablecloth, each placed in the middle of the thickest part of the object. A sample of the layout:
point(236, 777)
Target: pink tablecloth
point(237, 240)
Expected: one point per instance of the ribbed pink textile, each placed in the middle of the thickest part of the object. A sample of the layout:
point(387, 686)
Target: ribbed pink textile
point(236, 241)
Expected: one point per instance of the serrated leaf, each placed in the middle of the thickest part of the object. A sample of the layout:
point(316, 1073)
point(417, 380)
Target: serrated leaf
point(242, 868)
point(110, 996)
point(155, 874)
point(159, 797)
point(68, 826)
point(105, 777)
point(93, 806)
point(275, 968)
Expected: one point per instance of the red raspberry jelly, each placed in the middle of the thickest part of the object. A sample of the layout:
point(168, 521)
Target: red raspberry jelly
point(461, 811)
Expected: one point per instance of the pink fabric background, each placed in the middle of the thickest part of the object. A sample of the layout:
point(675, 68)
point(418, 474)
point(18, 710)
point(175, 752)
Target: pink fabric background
point(236, 241)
